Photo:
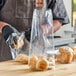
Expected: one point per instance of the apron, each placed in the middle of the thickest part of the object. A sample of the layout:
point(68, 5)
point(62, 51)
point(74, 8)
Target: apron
point(17, 13)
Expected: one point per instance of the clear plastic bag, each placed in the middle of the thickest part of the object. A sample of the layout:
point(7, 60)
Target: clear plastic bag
point(15, 42)
point(40, 46)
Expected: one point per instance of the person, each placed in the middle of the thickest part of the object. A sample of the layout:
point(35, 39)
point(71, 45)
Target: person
point(18, 14)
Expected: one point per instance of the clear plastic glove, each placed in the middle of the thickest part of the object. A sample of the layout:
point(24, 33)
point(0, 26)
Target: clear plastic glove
point(15, 41)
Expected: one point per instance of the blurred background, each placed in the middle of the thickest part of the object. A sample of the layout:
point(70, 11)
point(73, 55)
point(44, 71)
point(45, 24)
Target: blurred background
point(68, 6)
point(74, 11)
point(67, 32)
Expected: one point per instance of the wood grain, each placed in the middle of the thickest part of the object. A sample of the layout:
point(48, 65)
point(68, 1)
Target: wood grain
point(12, 68)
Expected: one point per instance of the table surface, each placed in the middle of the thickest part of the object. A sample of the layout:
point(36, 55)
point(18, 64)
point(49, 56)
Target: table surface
point(12, 68)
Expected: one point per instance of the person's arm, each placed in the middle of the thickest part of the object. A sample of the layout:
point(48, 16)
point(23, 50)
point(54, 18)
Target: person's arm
point(57, 25)
point(59, 12)
point(60, 16)
point(11, 35)
point(2, 24)
point(48, 30)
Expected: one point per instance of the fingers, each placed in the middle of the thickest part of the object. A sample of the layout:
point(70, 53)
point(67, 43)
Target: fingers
point(19, 43)
point(46, 29)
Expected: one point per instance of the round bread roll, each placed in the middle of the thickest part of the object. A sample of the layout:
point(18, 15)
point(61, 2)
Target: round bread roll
point(22, 58)
point(74, 58)
point(42, 64)
point(32, 62)
point(66, 55)
point(74, 52)
point(65, 49)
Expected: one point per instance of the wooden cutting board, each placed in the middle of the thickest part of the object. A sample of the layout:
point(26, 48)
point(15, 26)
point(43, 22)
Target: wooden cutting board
point(12, 68)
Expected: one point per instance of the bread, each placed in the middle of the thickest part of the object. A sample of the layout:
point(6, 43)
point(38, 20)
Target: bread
point(42, 64)
point(66, 55)
point(74, 52)
point(74, 58)
point(65, 49)
point(19, 44)
point(32, 62)
point(22, 58)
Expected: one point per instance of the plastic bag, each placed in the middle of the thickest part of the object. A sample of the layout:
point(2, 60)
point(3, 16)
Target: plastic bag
point(38, 39)
point(15, 42)
point(40, 46)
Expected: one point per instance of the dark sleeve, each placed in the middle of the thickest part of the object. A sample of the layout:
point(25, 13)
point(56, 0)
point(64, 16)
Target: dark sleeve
point(59, 11)
point(2, 2)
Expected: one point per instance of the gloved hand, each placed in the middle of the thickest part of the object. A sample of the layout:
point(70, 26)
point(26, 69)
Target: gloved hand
point(15, 41)
point(12, 37)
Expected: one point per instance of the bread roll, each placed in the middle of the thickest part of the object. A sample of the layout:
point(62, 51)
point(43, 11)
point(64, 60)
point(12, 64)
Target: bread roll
point(32, 62)
point(74, 52)
point(22, 58)
point(42, 64)
point(74, 58)
point(66, 55)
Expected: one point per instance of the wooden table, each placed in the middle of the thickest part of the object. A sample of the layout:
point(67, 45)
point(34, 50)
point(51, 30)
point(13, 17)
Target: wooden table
point(12, 68)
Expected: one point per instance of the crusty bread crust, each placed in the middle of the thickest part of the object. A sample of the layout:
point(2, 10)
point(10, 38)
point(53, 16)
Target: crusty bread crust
point(42, 64)
point(22, 58)
point(32, 62)
point(66, 55)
